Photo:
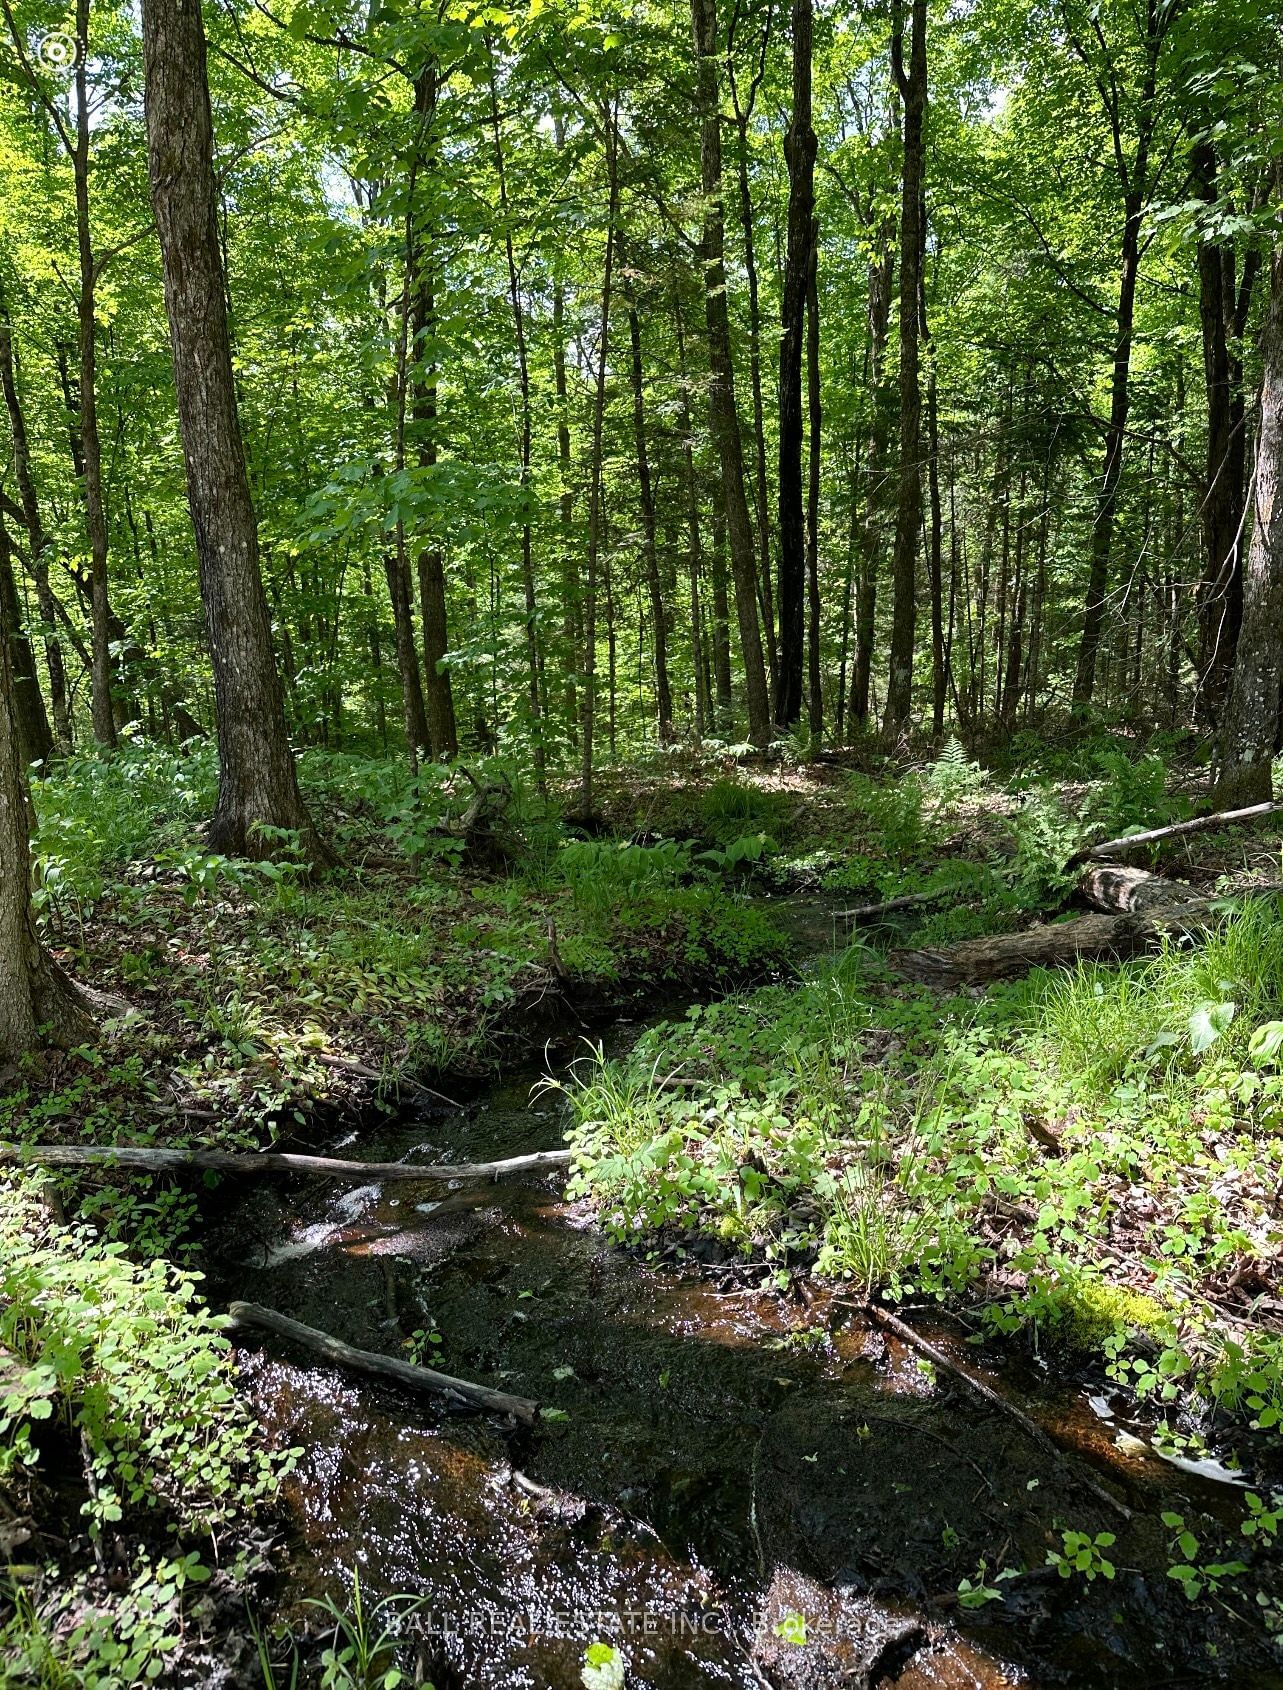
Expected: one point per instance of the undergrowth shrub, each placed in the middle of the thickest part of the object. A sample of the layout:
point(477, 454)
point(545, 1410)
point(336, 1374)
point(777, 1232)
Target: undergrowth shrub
point(731, 809)
point(889, 813)
point(96, 814)
point(953, 777)
point(1131, 794)
point(128, 1359)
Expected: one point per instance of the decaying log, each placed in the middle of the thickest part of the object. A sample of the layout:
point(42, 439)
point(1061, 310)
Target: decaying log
point(1087, 938)
point(1131, 891)
point(136, 1158)
point(405, 1373)
point(1000, 956)
point(1032, 1430)
point(1177, 830)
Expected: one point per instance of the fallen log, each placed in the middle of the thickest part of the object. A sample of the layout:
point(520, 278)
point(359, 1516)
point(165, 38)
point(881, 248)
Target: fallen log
point(1176, 830)
point(1087, 938)
point(1001, 956)
point(404, 1373)
point(149, 1160)
point(1131, 891)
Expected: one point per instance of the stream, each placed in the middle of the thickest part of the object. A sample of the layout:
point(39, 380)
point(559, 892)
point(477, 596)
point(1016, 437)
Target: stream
point(719, 1462)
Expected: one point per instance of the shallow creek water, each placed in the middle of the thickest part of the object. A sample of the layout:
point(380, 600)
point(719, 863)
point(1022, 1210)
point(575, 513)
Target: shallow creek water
point(725, 1460)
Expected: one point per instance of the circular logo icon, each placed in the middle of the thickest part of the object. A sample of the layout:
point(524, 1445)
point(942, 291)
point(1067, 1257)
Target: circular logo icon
point(58, 50)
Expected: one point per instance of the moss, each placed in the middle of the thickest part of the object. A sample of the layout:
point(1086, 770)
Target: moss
point(1093, 1309)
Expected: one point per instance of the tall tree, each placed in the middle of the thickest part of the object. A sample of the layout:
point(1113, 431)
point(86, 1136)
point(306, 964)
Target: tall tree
point(596, 510)
point(799, 150)
point(646, 499)
point(39, 1004)
point(725, 418)
point(1250, 734)
point(1133, 116)
point(912, 84)
point(439, 690)
point(39, 545)
point(35, 741)
point(258, 786)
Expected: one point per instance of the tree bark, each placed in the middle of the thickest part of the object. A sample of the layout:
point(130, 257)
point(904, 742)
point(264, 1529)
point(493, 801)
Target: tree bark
point(1250, 732)
point(158, 1160)
point(442, 727)
point(799, 151)
point(35, 742)
point(725, 420)
point(743, 118)
point(869, 538)
point(695, 558)
point(646, 499)
point(935, 536)
point(533, 657)
point(38, 1003)
point(760, 489)
point(1220, 599)
point(908, 514)
point(404, 1373)
point(815, 682)
point(258, 786)
point(104, 721)
point(596, 518)
point(38, 542)
point(1135, 182)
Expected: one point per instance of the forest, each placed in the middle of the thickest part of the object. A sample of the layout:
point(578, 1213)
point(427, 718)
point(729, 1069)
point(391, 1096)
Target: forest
point(641, 899)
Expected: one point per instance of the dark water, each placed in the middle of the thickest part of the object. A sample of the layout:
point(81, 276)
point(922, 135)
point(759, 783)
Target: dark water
point(717, 1462)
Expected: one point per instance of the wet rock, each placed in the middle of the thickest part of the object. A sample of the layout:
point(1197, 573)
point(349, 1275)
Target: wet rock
point(811, 1638)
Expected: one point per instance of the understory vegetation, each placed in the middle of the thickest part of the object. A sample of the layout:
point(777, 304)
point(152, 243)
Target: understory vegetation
point(1089, 1156)
point(1084, 1162)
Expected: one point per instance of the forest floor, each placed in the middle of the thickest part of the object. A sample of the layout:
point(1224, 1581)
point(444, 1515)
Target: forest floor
point(1085, 1165)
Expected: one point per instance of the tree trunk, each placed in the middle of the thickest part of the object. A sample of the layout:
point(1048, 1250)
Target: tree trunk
point(935, 546)
point(646, 499)
point(721, 628)
point(1102, 533)
point(38, 1004)
point(571, 619)
point(104, 721)
point(799, 151)
point(533, 657)
point(396, 567)
point(761, 492)
point(815, 684)
point(695, 559)
point(397, 561)
point(1136, 187)
point(1222, 306)
point(881, 273)
point(908, 513)
point(38, 543)
point(725, 421)
point(438, 692)
point(258, 787)
point(1250, 731)
point(596, 517)
point(35, 742)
